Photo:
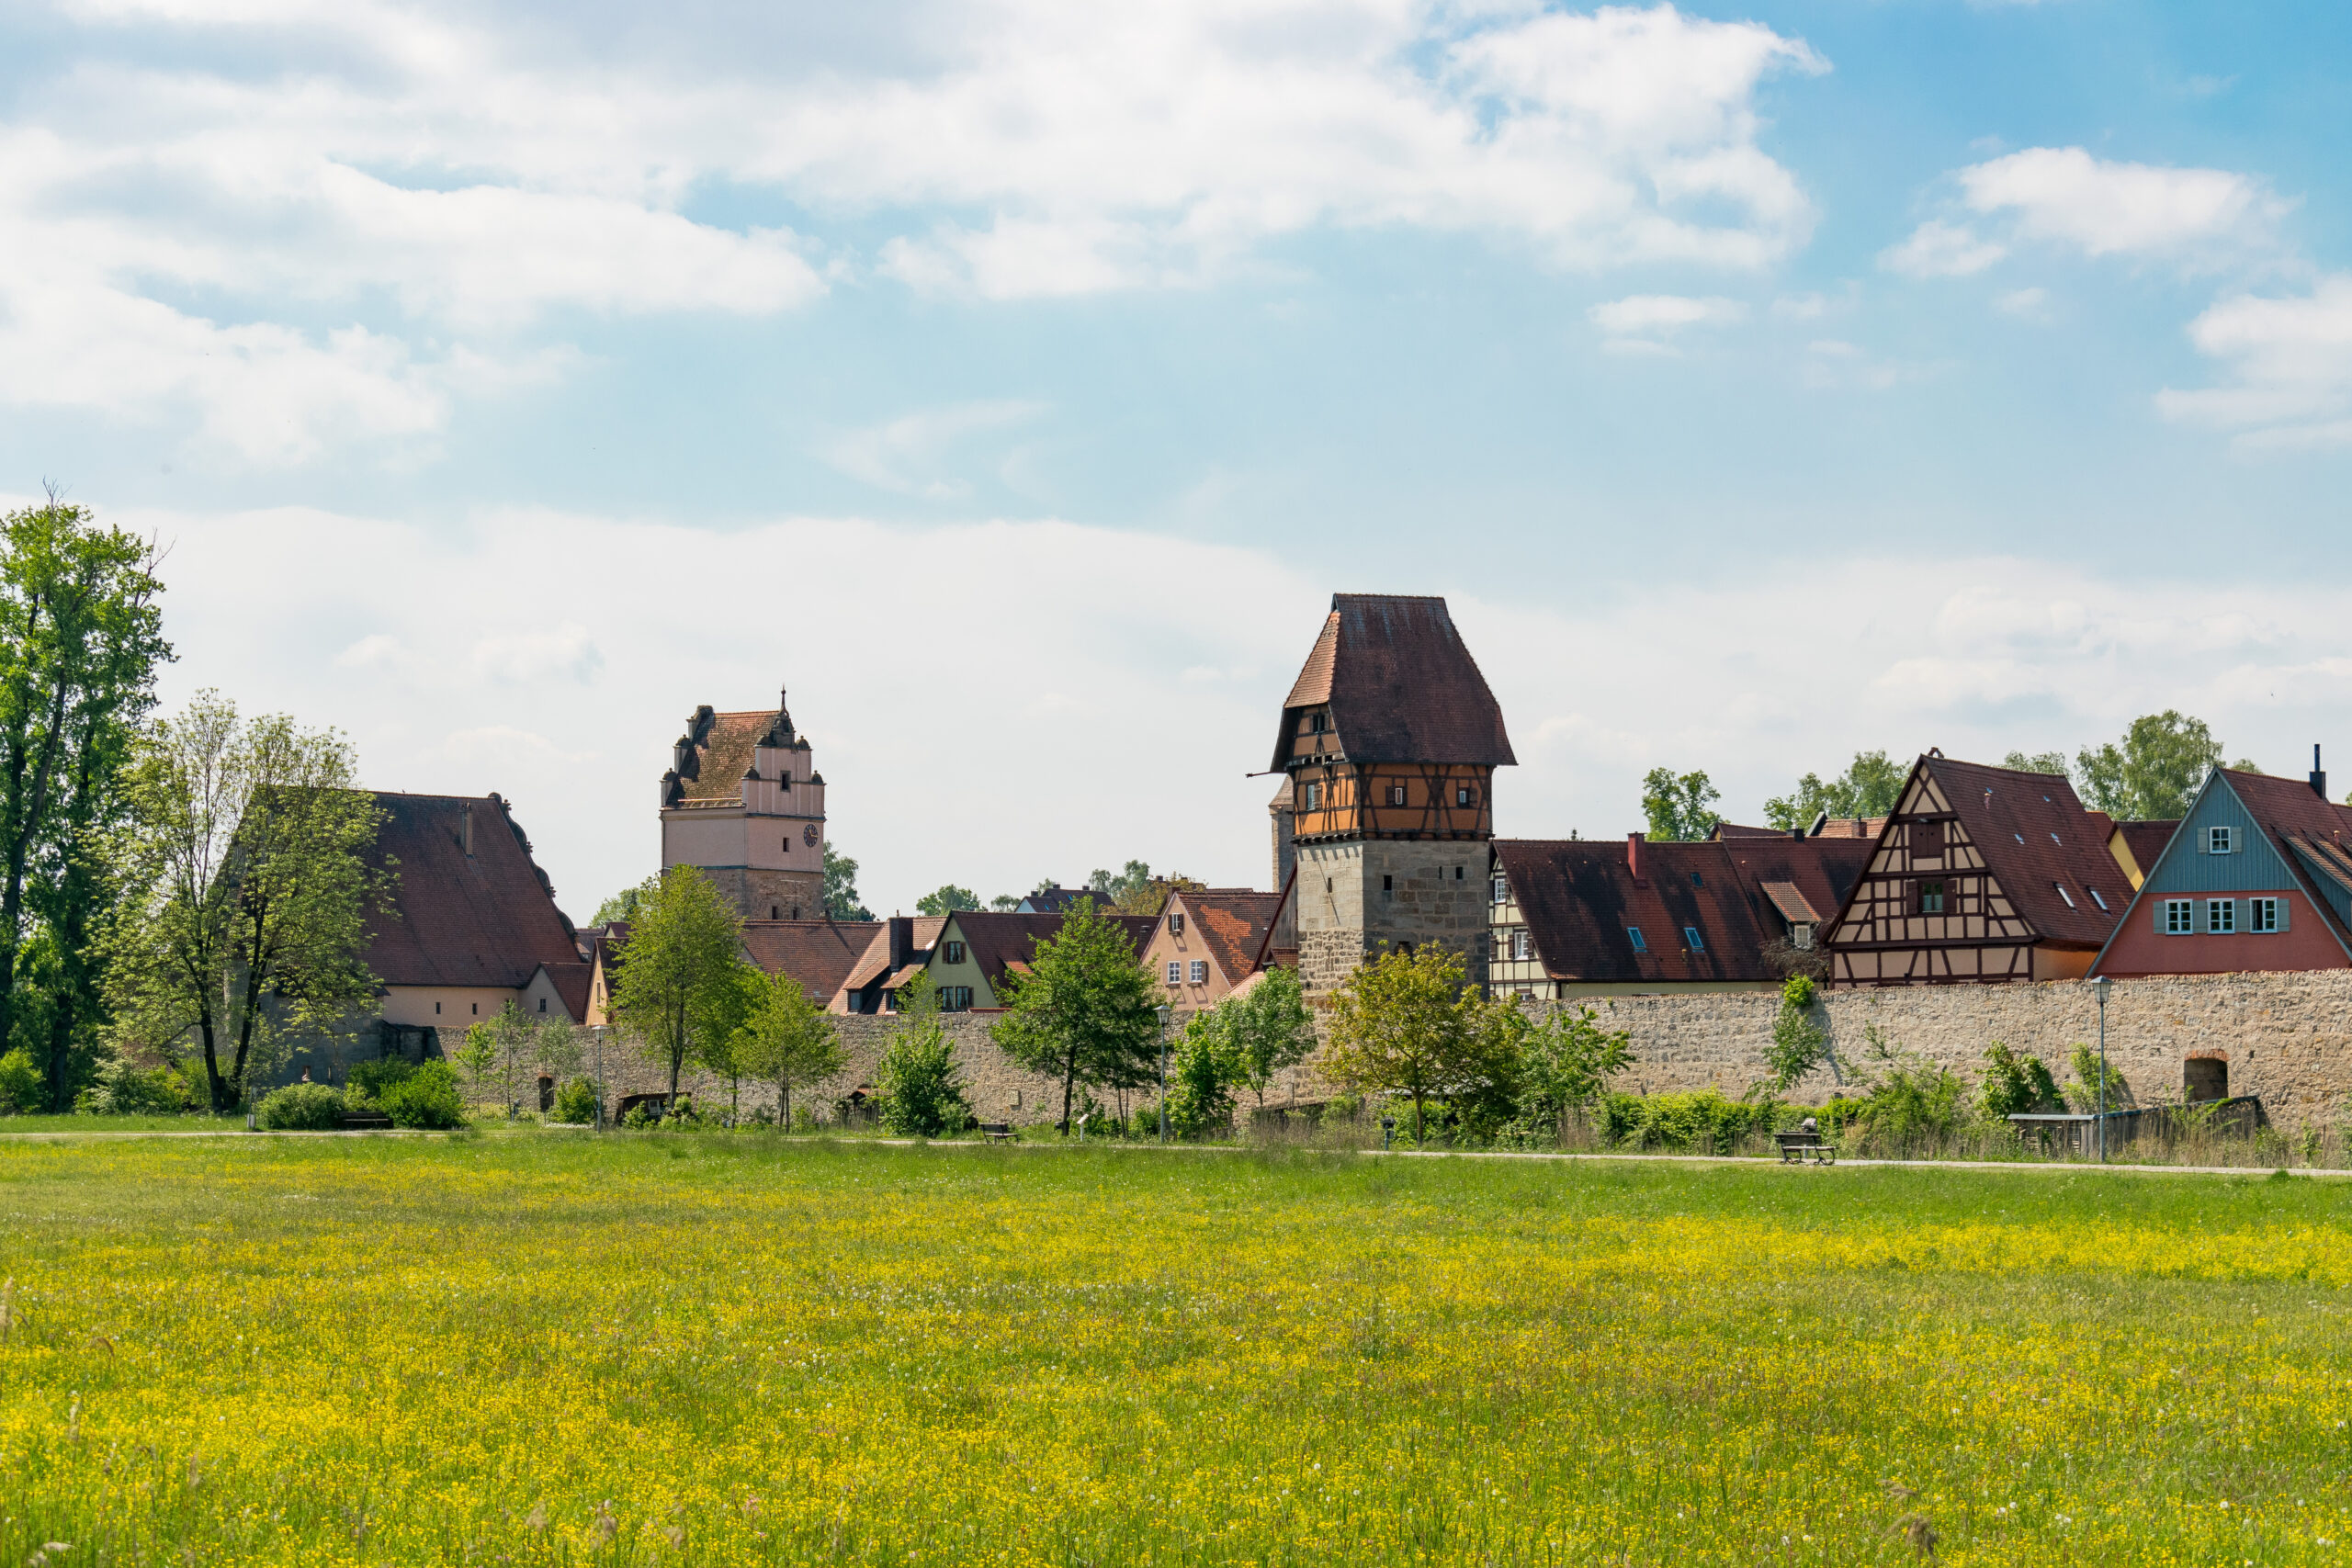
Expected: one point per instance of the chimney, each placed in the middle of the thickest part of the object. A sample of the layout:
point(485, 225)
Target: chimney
point(1634, 858)
point(902, 941)
point(466, 828)
point(2319, 778)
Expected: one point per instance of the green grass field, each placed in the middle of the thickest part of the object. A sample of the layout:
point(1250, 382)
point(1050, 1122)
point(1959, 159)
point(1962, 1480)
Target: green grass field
point(734, 1350)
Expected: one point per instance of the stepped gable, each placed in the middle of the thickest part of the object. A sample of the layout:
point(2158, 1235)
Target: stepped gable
point(820, 954)
point(1400, 684)
point(486, 919)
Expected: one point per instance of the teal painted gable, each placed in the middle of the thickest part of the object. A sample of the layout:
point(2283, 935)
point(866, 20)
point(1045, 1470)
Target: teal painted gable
point(2252, 866)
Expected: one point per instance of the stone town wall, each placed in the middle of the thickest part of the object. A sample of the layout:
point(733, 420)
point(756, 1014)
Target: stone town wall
point(2286, 1037)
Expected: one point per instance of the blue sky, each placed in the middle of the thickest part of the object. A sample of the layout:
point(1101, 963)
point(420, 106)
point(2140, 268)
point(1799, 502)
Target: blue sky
point(1017, 380)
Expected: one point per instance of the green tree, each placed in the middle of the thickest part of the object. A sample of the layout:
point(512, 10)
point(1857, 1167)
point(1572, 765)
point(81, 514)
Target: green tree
point(2037, 762)
point(2153, 773)
point(1005, 902)
point(1086, 1011)
point(1410, 1023)
point(1566, 1062)
point(1133, 890)
point(841, 888)
point(2016, 1083)
point(1680, 807)
point(1270, 1026)
point(677, 969)
point(719, 1043)
point(81, 639)
point(1869, 788)
point(478, 1055)
point(946, 899)
point(1208, 1066)
point(1799, 1044)
point(789, 1042)
point(621, 905)
point(921, 1097)
point(248, 893)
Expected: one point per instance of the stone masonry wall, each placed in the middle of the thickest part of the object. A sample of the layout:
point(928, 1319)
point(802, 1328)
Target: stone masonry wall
point(2286, 1037)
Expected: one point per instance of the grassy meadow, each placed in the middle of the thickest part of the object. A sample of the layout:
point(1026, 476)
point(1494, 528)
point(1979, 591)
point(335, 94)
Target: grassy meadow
point(558, 1348)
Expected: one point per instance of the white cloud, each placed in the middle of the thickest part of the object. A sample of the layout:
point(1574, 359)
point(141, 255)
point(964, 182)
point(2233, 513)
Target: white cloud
point(2288, 361)
point(904, 454)
point(1937, 249)
point(1641, 323)
point(2026, 304)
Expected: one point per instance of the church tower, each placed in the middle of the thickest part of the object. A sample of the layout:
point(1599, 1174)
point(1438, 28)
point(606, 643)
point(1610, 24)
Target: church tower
point(743, 802)
point(1389, 741)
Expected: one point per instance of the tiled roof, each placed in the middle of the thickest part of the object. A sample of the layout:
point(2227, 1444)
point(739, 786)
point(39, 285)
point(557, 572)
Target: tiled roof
point(998, 941)
point(723, 755)
point(2296, 816)
point(1790, 899)
point(2146, 841)
point(1061, 900)
point(1401, 686)
point(1232, 922)
point(2035, 835)
point(818, 953)
point(485, 919)
point(924, 934)
point(571, 981)
point(1580, 900)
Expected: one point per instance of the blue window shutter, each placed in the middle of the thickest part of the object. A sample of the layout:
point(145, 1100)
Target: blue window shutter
point(2285, 903)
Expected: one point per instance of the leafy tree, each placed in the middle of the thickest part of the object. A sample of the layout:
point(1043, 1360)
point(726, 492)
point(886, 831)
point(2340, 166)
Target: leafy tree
point(1208, 1066)
point(1086, 1012)
point(80, 638)
point(922, 1096)
point(1869, 788)
point(1133, 890)
point(677, 969)
point(247, 890)
point(1410, 1023)
point(1679, 808)
point(621, 905)
point(788, 1041)
point(841, 888)
point(2015, 1083)
point(1565, 1063)
point(946, 900)
point(2083, 1094)
point(2037, 762)
point(1005, 902)
point(478, 1055)
point(719, 1043)
point(1270, 1026)
point(2156, 770)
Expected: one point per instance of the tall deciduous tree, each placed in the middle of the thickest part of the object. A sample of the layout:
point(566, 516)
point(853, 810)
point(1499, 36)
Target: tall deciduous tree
point(945, 899)
point(789, 1042)
point(1086, 1011)
point(922, 1095)
point(841, 902)
point(1269, 1026)
point(2153, 773)
point(678, 986)
point(1868, 787)
point(80, 638)
point(248, 893)
point(1680, 807)
point(1411, 1023)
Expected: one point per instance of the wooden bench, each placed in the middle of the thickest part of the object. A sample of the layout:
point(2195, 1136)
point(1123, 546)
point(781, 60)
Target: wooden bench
point(1798, 1148)
point(997, 1132)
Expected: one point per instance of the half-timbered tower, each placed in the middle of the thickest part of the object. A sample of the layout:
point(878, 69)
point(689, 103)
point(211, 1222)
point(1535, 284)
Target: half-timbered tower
point(1389, 739)
point(743, 802)
point(1980, 874)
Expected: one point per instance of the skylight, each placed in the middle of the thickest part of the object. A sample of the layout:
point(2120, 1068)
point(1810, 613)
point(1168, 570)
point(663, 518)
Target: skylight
point(2063, 893)
point(1634, 932)
point(2095, 897)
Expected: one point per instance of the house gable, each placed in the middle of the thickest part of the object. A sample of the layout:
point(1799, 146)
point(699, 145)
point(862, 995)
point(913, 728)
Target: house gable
point(1930, 906)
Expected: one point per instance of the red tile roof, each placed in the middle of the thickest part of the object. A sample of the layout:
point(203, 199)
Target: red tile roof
point(488, 919)
point(1579, 897)
point(2146, 841)
point(2035, 835)
point(1401, 686)
point(570, 983)
point(998, 941)
point(818, 953)
point(1232, 922)
point(725, 752)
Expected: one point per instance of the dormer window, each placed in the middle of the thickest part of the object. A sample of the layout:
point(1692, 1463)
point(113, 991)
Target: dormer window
point(1320, 722)
point(2063, 893)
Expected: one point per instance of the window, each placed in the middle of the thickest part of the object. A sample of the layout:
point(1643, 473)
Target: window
point(1319, 721)
point(1175, 972)
point(477, 1006)
point(1464, 795)
point(1314, 798)
point(2218, 842)
point(437, 1009)
point(1697, 880)
point(1519, 945)
point(954, 953)
point(2262, 915)
point(1395, 795)
point(1927, 840)
point(1691, 937)
point(1502, 890)
point(954, 999)
point(1931, 897)
point(1801, 934)
point(1634, 932)
point(2095, 897)
point(1388, 887)
point(773, 911)
point(543, 1004)
point(1176, 922)
point(1457, 873)
point(2176, 918)
point(1199, 974)
point(2220, 915)
point(2063, 893)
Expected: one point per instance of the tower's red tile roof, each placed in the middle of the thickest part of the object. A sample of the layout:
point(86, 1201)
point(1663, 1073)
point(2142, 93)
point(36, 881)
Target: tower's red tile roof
point(1401, 686)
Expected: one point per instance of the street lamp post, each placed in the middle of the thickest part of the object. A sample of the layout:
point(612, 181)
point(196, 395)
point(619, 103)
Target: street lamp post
point(1162, 1011)
point(2099, 988)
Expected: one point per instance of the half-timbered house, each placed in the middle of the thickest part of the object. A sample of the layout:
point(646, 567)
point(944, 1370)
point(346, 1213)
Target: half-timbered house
point(1389, 741)
point(1980, 874)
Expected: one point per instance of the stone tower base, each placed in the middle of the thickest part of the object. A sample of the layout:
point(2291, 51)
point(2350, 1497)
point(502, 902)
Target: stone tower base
point(763, 894)
point(1357, 898)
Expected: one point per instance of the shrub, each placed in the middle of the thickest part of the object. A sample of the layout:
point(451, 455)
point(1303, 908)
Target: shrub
point(1680, 1120)
point(21, 1088)
point(922, 1098)
point(425, 1097)
point(2014, 1084)
point(371, 1081)
point(640, 1117)
point(576, 1101)
point(302, 1108)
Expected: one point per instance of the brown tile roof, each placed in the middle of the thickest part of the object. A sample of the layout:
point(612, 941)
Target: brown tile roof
point(485, 919)
point(1232, 923)
point(1735, 831)
point(571, 981)
point(2035, 835)
point(818, 953)
point(998, 941)
point(1790, 899)
point(1401, 686)
point(922, 935)
point(1579, 897)
point(2298, 818)
point(2146, 841)
point(1061, 900)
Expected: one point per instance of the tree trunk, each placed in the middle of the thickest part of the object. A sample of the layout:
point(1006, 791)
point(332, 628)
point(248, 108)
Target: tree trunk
point(784, 1095)
point(1417, 1118)
point(1069, 1085)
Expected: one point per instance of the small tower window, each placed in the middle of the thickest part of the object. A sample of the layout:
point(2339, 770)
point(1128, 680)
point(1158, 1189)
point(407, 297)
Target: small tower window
point(1464, 795)
point(772, 911)
point(1318, 722)
point(543, 1004)
point(1395, 795)
point(1388, 888)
